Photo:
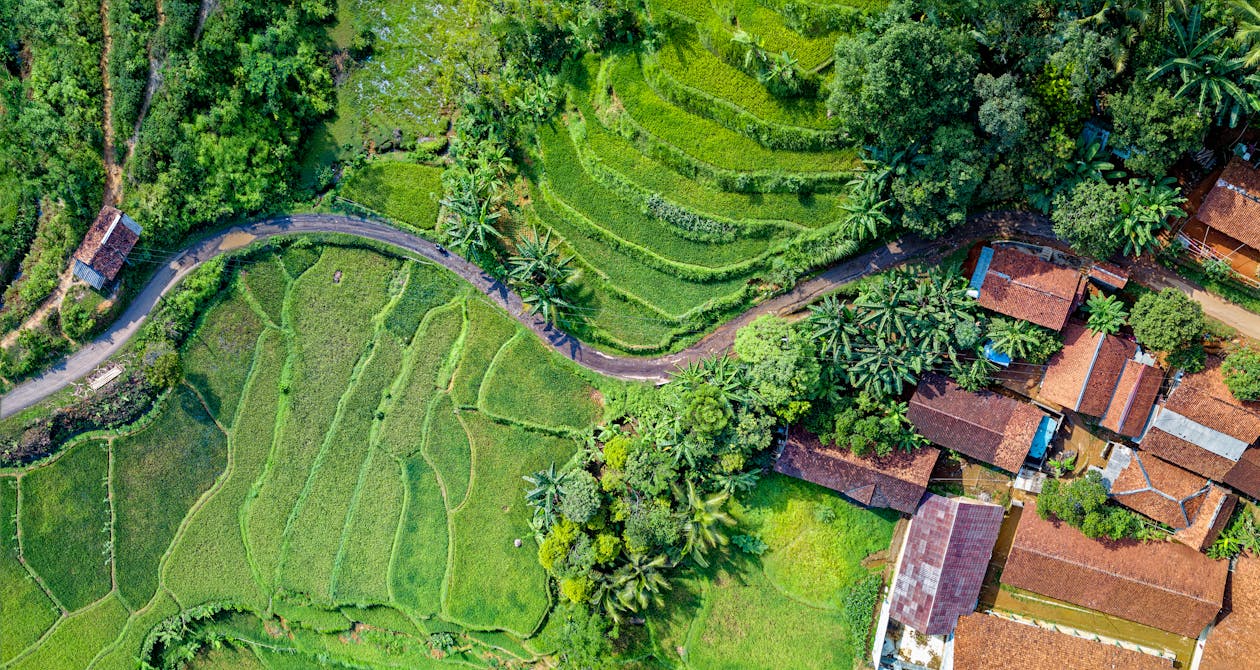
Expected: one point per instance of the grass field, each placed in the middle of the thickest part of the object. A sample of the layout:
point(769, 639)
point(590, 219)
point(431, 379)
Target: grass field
point(17, 585)
point(404, 192)
point(771, 611)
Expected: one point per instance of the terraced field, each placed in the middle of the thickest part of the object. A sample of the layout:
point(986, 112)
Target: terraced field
point(342, 464)
point(682, 184)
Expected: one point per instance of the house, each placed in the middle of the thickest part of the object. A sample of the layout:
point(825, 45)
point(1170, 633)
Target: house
point(1232, 208)
point(1195, 508)
point(105, 247)
point(1103, 376)
point(898, 480)
point(1203, 428)
point(990, 642)
point(1164, 585)
point(1234, 642)
point(1020, 285)
point(946, 553)
point(986, 426)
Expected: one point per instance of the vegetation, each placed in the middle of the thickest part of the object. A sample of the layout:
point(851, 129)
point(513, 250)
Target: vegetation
point(1242, 373)
point(1082, 503)
point(1166, 320)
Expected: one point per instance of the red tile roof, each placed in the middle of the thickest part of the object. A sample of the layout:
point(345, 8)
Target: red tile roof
point(1160, 490)
point(986, 426)
point(1094, 374)
point(1164, 585)
point(1235, 643)
point(1213, 515)
point(1232, 206)
point(1025, 287)
point(947, 552)
point(898, 480)
point(107, 242)
point(1134, 398)
point(1111, 275)
point(1245, 475)
point(988, 642)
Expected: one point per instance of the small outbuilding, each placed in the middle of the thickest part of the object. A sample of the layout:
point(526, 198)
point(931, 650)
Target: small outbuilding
point(105, 247)
point(947, 552)
point(896, 481)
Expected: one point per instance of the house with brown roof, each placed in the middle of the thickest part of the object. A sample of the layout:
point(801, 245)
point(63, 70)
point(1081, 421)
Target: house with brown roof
point(990, 642)
point(1012, 282)
point(945, 556)
point(1195, 508)
point(1232, 207)
point(105, 247)
point(986, 426)
point(1235, 640)
point(1203, 428)
point(1103, 376)
point(1164, 585)
point(897, 481)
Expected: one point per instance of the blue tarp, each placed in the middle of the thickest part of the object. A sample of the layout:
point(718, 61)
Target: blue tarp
point(1041, 441)
point(996, 356)
point(982, 268)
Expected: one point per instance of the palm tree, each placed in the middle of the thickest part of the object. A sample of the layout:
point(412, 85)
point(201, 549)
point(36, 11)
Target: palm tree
point(1205, 69)
point(1106, 314)
point(1013, 337)
point(884, 309)
point(1248, 31)
point(545, 494)
point(541, 275)
point(640, 580)
point(885, 369)
point(755, 54)
point(1146, 212)
point(834, 326)
point(471, 213)
point(702, 531)
point(865, 215)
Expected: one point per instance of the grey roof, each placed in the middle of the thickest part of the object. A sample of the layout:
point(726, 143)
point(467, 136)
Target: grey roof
point(1194, 432)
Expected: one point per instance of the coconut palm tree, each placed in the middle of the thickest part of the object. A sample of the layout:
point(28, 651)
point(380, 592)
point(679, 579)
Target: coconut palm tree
point(883, 309)
point(640, 581)
point(702, 530)
point(1106, 314)
point(865, 212)
point(541, 275)
point(544, 496)
point(1146, 211)
point(1013, 337)
point(834, 326)
point(1205, 68)
point(1247, 12)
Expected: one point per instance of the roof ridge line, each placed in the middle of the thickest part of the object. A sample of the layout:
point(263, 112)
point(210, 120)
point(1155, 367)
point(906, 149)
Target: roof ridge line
point(1117, 575)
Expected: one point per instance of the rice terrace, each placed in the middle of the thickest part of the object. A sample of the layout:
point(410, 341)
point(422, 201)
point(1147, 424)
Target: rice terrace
point(643, 334)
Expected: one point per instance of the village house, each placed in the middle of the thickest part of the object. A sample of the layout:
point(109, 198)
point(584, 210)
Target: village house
point(1020, 285)
point(105, 247)
point(987, 642)
point(1164, 585)
point(896, 481)
point(947, 551)
point(1237, 635)
point(1103, 376)
point(1203, 428)
point(1195, 508)
point(1227, 223)
point(986, 426)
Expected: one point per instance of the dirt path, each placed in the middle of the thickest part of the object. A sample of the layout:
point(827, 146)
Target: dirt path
point(37, 317)
point(150, 87)
point(1246, 322)
point(656, 369)
point(113, 171)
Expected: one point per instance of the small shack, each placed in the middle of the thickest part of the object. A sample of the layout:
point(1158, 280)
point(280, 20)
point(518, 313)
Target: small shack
point(897, 481)
point(105, 247)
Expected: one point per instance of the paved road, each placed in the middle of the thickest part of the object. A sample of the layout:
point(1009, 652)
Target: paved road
point(85, 360)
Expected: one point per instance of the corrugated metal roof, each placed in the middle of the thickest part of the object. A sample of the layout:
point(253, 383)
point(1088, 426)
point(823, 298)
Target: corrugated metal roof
point(1196, 433)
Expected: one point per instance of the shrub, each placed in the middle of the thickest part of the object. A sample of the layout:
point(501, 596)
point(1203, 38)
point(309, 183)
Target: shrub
point(1242, 373)
point(750, 544)
point(1082, 503)
point(165, 371)
point(859, 602)
point(579, 497)
point(689, 224)
point(1166, 320)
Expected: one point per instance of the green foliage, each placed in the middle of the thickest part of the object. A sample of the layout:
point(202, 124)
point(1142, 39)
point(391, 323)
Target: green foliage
point(1106, 314)
point(1088, 216)
point(1023, 340)
point(165, 371)
point(1166, 320)
point(1242, 373)
point(783, 365)
point(579, 497)
point(866, 425)
point(1155, 127)
point(895, 87)
point(859, 602)
point(1003, 109)
point(1240, 535)
point(750, 544)
point(1082, 503)
point(940, 183)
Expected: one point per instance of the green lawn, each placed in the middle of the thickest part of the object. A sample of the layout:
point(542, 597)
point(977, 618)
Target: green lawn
point(158, 474)
point(404, 192)
point(65, 524)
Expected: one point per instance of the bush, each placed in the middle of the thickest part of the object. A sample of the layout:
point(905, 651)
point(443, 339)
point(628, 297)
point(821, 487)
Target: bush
point(165, 371)
point(1166, 320)
point(579, 497)
point(859, 602)
point(1082, 503)
point(750, 544)
point(1242, 373)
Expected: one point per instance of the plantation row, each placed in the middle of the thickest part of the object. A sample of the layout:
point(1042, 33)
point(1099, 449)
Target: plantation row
point(347, 448)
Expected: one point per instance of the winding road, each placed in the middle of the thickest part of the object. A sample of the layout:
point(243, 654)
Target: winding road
point(657, 369)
